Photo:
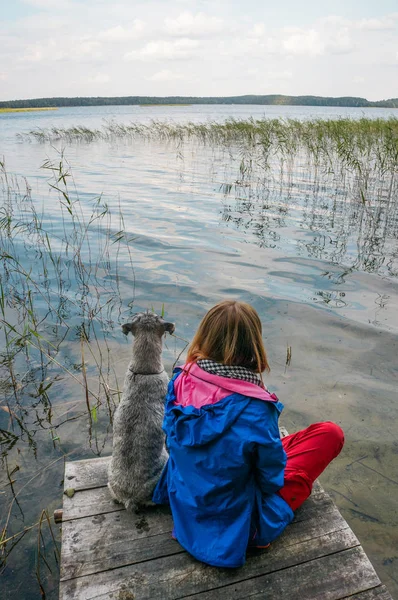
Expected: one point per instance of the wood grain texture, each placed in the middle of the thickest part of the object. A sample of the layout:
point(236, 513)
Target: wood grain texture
point(331, 577)
point(106, 541)
point(86, 474)
point(88, 503)
point(113, 540)
point(181, 575)
point(377, 593)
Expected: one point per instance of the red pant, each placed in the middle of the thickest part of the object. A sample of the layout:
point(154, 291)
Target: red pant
point(308, 453)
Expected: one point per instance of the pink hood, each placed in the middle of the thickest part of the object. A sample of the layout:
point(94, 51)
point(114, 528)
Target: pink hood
point(199, 388)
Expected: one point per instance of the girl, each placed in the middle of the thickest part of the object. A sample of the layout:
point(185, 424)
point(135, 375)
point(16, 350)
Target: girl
point(230, 480)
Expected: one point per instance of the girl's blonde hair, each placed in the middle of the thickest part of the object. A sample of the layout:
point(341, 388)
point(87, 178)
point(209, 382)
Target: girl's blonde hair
point(230, 333)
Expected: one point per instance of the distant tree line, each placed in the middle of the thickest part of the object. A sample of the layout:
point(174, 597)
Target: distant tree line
point(274, 99)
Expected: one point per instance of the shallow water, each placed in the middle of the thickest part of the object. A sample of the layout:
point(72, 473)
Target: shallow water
point(319, 268)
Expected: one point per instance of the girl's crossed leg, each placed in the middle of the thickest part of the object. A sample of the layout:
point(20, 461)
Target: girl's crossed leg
point(308, 454)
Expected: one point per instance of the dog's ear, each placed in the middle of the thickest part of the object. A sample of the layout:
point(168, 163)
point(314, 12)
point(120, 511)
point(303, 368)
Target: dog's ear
point(127, 328)
point(170, 327)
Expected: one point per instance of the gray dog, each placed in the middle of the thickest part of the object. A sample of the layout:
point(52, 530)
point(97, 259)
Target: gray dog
point(139, 453)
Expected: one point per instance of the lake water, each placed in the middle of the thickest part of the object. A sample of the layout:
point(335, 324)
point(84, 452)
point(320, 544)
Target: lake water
point(320, 269)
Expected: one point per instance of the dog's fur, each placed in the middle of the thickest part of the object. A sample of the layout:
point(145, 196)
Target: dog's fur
point(139, 452)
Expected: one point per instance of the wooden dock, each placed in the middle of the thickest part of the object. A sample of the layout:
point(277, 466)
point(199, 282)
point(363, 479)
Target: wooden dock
point(109, 553)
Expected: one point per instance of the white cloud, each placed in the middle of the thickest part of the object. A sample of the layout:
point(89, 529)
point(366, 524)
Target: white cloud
point(330, 35)
point(164, 75)
point(99, 78)
point(122, 34)
point(315, 41)
point(358, 79)
point(68, 49)
point(257, 31)
point(300, 41)
point(377, 24)
point(194, 25)
point(279, 75)
point(180, 49)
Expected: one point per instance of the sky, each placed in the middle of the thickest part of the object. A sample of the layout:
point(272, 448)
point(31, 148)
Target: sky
point(198, 47)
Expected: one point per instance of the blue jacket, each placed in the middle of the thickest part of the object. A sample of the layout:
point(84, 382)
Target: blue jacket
point(226, 463)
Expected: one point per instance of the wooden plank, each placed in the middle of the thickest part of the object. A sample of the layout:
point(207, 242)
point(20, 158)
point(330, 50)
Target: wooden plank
point(317, 501)
point(181, 575)
point(377, 593)
point(96, 501)
point(331, 577)
point(109, 541)
point(98, 543)
point(86, 474)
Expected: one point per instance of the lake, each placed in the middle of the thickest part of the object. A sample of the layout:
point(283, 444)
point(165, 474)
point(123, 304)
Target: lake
point(100, 229)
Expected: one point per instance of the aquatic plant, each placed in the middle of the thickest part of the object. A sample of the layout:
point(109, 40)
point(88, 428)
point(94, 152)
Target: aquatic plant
point(55, 290)
point(60, 308)
point(354, 144)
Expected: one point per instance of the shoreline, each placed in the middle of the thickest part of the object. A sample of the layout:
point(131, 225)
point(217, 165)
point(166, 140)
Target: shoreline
point(31, 109)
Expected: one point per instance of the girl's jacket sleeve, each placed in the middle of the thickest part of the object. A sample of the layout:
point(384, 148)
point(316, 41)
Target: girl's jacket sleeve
point(269, 455)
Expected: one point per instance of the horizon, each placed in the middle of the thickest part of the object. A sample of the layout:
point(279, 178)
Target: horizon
point(176, 96)
point(187, 47)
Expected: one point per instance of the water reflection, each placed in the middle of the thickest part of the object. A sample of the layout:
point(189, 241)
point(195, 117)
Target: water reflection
point(344, 227)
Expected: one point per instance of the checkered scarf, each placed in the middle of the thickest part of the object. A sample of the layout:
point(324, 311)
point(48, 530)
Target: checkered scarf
point(232, 372)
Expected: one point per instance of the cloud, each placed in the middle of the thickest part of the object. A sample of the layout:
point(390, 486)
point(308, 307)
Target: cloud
point(196, 46)
point(68, 49)
point(316, 41)
point(99, 78)
point(194, 25)
point(330, 35)
point(279, 75)
point(164, 75)
point(284, 75)
point(377, 24)
point(122, 34)
point(257, 31)
point(180, 49)
point(41, 23)
point(300, 41)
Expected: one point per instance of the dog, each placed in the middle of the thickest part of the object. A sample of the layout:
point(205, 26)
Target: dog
point(139, 453)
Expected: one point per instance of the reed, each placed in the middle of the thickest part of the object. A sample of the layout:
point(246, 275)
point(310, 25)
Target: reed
point(54, 288)
point(360, 145)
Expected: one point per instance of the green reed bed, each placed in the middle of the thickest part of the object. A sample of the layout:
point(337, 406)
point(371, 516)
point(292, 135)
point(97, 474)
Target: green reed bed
point(355, 143)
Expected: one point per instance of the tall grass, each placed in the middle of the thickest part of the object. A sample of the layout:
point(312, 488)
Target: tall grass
point(59, 285)
point(355, 144)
